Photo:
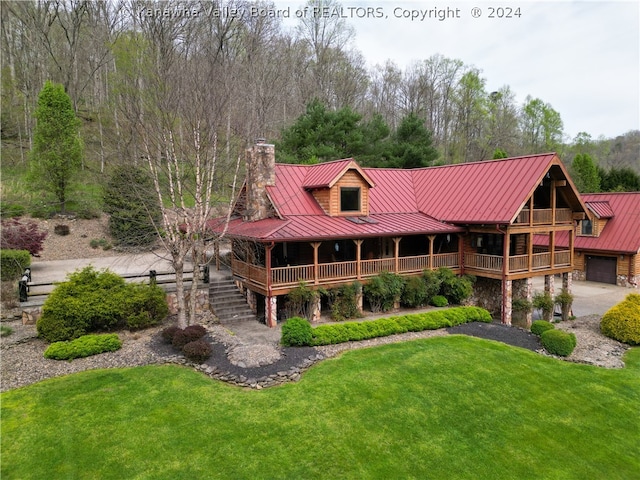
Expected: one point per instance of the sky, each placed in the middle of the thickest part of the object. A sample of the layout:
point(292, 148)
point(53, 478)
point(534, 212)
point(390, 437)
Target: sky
point(581, 57)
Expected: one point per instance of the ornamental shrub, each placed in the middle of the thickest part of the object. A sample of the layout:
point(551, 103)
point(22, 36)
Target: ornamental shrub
point(542, 301)
point(455, 289)
point(189, 334)
point(18, 235)
point(197, 351)
point(168, 333)
point(296, 332)
point(622, 321)
point(343, 301)
point(383, 291)
point(439, 301)
point(84, 346)
point(92, 300)
point(558, 342)
point(538, 327)
point(13, 263)
point(415, 292)
point(432, 282)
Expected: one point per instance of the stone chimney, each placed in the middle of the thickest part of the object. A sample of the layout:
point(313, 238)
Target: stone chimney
point(261, 172)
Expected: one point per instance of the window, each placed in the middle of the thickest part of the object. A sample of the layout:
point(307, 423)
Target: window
point(350, 199)
point(586, 227)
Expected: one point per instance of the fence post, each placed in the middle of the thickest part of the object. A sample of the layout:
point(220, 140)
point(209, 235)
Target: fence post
point(205, 274)
point(152, 277)
point(23, 288)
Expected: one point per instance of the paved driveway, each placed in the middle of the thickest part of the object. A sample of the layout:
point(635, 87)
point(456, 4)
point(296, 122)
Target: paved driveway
point(590, 297)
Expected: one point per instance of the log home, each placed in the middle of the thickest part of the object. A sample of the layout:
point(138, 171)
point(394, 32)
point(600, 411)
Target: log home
point(335, 223)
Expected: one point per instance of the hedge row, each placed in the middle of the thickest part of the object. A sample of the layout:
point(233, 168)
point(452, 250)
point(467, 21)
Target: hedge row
point(295, 331)
point(84, 346)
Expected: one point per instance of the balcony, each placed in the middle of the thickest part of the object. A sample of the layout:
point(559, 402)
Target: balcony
point(340, 272)
point(544, 216)
point(517, 263)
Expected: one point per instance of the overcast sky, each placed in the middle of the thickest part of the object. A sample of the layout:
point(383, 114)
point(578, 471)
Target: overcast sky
point(582, 57)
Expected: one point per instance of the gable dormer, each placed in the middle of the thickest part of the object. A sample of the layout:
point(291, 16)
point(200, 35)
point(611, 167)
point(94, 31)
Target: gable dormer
point(341, 188)
point(599, 212)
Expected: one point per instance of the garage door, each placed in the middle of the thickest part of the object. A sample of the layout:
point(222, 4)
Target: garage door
point(601, 269)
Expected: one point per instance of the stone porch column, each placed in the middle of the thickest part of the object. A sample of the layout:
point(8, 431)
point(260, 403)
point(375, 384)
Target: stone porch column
point(529, 296)
point(252, 301)
point(507, 298)
point(549, 285)
point(271, 311)
point(316, 309)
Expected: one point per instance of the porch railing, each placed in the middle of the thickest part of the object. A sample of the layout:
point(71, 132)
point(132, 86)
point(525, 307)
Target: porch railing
point(481, 261)
point(340, 271)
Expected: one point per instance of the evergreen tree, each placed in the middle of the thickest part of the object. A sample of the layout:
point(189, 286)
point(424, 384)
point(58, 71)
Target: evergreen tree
point(411, 145)
point(619, 180)
point(57, 146)
point(585, 174)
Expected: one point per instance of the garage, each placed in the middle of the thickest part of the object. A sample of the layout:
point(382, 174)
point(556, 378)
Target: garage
point(601, 269)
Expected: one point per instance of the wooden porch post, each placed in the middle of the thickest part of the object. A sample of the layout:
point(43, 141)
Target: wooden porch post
point(572, 234)
point(530, 251)
point(553, 203)
point(531, 210)
point(461, 253)
point(216, 253)
point(396, 254)
point(507, 287)
point(316, 269)
point(431, 239)
point(552, 248)
point(358, 258)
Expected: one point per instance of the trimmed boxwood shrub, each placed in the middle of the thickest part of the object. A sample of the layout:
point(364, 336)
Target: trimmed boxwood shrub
point(92, 300)
point(354, 331)
point(538, 327)
point(296, 332)
point(558, 342)
point(197, 351)
point(84, 346)
point(13, 263)
point(622, 321)
point(439, 301)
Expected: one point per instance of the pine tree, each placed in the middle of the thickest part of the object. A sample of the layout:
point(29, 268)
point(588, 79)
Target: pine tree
point(585, 174)
point(57, 146)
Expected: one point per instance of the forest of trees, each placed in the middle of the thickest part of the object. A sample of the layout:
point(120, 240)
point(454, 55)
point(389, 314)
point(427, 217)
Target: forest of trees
point(130, 66)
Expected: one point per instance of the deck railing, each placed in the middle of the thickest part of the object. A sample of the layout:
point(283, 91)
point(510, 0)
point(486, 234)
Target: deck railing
point(481, 261)
point(543, 216)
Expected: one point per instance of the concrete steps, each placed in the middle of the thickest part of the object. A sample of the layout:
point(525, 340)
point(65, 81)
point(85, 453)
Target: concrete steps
point(226, 301)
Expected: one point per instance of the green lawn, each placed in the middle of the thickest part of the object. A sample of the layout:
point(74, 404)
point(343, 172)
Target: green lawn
point(446, 407)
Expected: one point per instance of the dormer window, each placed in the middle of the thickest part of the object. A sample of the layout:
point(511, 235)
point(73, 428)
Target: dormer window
point(350, 199)
point(586, 227)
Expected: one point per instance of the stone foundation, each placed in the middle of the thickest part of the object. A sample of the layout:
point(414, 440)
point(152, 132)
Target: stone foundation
point(628, 281)
point(202, 301)
point(487, 293)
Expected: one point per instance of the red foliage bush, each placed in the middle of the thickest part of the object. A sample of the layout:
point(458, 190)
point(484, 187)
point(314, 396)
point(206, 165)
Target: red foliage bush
point(197, 351)
point(17, 235)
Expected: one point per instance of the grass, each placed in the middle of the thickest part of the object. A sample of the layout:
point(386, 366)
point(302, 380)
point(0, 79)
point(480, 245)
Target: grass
point(447, 407)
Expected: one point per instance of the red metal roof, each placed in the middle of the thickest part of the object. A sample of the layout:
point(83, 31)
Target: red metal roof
point(622, 231)
point(602, 209)
point(621, 234)
point(480, 192)
point(417, 201)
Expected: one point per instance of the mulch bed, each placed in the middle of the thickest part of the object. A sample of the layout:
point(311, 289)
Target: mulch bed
point(510, 335)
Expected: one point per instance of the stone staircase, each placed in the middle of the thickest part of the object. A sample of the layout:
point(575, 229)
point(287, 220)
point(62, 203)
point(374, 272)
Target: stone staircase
point(226, 301)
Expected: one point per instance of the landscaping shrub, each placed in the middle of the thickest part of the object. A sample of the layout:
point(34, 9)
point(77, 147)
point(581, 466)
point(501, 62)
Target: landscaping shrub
point(558, 342)
point(84, 346)
point(10, 210)
point(439, 301)
point(197, 351)
point(538, 327)
point(168, 333)
point(13, 263)
point(455, 289)
point(383, 291)
point(187, 335)
point(354, 331)
point(415, 292)
point(92, 300)
point(564, 299)
point(542, 301)
point(61, 230)
point(5, 331)
point(343, 301)
point(301, 299)
point(432, 282)
point(18, 235)
point(296, 332)
point(622, 321)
